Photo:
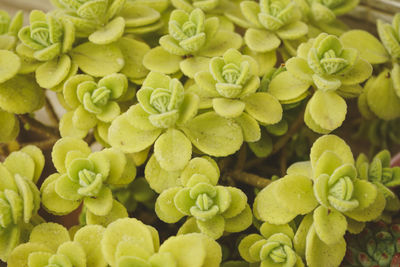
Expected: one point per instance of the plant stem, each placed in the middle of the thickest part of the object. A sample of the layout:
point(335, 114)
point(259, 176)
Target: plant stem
point(39, 128)
point(281, 141)
point(43, 145)
point(241, 159)
point(51, 112)
point(250, 179)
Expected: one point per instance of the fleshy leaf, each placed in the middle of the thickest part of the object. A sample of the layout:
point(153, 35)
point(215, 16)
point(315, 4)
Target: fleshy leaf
point(261, 40)
point(214, 135)
point(9, 65)
point(330, 225)
point(98, 60)
point(173, 150)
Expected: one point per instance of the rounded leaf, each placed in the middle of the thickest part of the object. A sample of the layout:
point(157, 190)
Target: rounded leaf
point(330, 225)
point(214, 135)
point(98, 60)
point(263, 107)
point(9, 65)
point(173, 150)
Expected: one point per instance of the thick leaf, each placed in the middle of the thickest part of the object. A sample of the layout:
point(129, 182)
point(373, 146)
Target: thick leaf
point(126, 137)
point(268, 207)
point(214, 135)
point(98, 60)
point(320, 254)
point(21, 94)
point(295, 194)
point(133, 52)
point(261, 40)
point(328, 109)
point(111, 32)
point(286, 87)
point(52, 73)
point(334, 144)
point(165, 206)
point(173, 150)
point(330, 225)
point(263, 107)
point(369, 46)
point(158, 178)
point(158, 59)
point(9, 65)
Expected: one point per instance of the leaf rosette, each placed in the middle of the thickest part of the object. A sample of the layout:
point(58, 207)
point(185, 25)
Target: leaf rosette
point(380, 173)
point(212, 209)
point(268, 22)
point(230, 88)
point(325, 11)
point(334, 71)
point(50, 245)
point(47, 37)
point(191, 41)
point(331, 196)
point(165, 117)
point(9, 28)
point(129, 242)
point(189, 5)
point(19, 197)
point(85, 177)
point(274, 247)
point(98, 20)
point(91, 102)
point(389, 35)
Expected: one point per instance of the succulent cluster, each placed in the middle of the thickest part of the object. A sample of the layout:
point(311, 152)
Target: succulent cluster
point(199, 99)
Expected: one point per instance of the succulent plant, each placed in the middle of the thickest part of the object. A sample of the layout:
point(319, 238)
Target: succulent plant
point(328, 190)
point(212, 209)
point(376, 245)
point(334, 71)
point(274, 247)
point(50, 244)
point(268, 23)
point(129, 242)
point(19, 197)
point(193, 36)
point(9, 28)
point(91, 102)
point(380, 173)
point(84, 177)
point(325, 11)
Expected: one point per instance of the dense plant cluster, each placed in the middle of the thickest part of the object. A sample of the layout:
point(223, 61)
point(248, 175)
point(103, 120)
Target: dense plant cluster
point(198, 133)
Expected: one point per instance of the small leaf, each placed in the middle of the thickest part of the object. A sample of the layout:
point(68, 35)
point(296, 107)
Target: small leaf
point(330, 225)
point(214, 135)
point(98, 60)
point(228, 108)
point(263, 107)
point(158, 59)
point(100, 205)
point(320, 254)
point(52, 235)
point(9, 65)
point(110, 33)
point(52, 73)
point(158, 178)
point(173, 150)
point(165, 206)
point(261, 40)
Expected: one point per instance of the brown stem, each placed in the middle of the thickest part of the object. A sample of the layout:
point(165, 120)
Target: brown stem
point(39, 128)
point(241, 159)
point(296, 125)
point(250, 179)
point(43, 145)
point(51, 112)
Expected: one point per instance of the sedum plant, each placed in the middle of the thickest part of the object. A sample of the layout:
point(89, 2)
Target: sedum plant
point(84, 177)
point(91, 102)
point(380, 173)
point(192, 40)
point(9, 28)
point(19, 197)
point(333, 70)
point(274, 247)
point(230, 88)
point(331, 196)
point(376, 245)
point(50, 244)
point(270, 22)
point(129, 242)
point(164, 117)
point(212, 209)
